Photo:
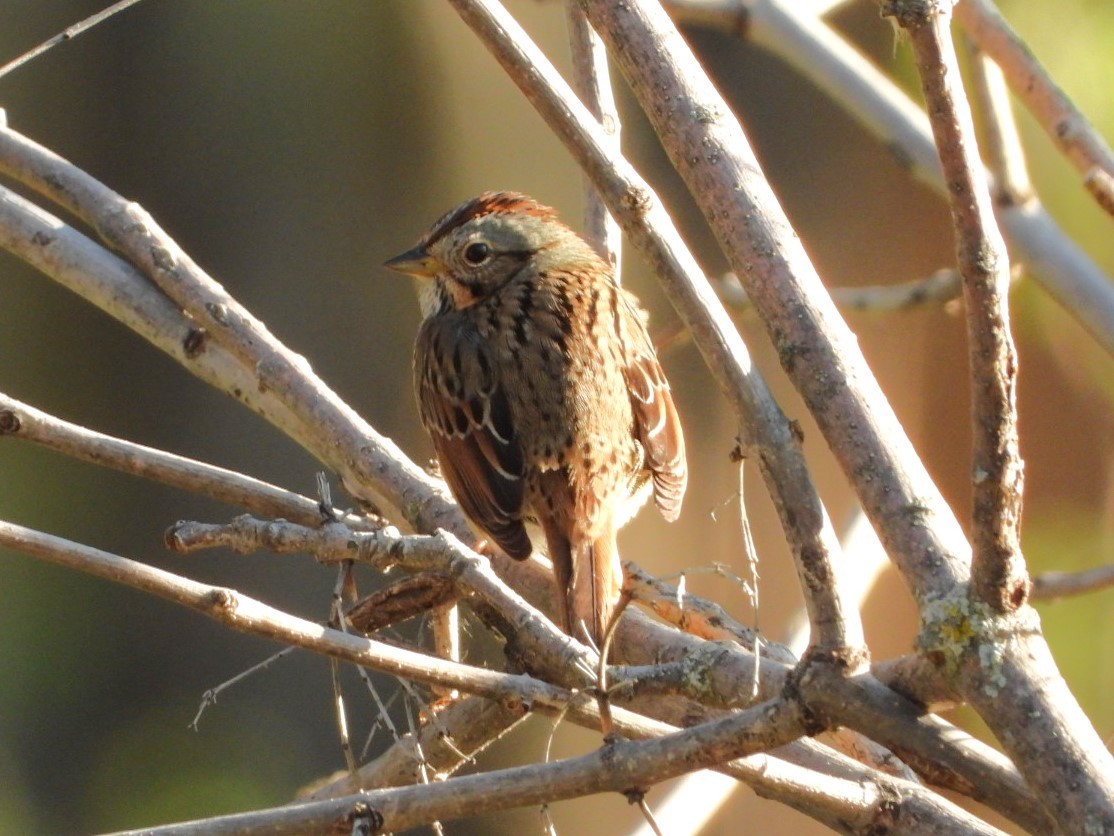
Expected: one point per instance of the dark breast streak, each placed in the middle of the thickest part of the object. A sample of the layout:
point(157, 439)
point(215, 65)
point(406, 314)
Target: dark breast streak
point(560, 364)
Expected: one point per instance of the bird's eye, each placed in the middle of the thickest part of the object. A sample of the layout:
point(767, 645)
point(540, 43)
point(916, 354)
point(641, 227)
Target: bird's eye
point(477, 253)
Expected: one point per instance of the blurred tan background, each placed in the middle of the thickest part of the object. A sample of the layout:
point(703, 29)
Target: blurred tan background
point(291, 147)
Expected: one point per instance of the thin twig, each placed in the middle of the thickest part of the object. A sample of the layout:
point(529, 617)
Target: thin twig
point(67, 34)
point(1050, 586)
point(19, 420)
point(647, 813)
point(750, 552)
point(592, 80)
point(209, 698)
point(1064, 123)
point(1005, 153)
point(999, 576)
point(337, 621)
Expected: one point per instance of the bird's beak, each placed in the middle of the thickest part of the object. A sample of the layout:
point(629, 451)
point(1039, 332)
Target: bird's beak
point(415, 262)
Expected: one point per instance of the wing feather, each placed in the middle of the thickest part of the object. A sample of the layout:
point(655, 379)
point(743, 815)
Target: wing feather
point(467, 414)
point(658, 428)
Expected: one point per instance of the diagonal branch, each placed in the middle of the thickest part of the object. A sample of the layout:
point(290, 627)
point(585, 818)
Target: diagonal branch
point(823, 56)
point(816, 349)
point(370, 465)
point(1065, 124)
point(248, 615)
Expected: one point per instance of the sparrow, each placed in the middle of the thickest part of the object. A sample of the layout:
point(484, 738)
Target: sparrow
point(539, 386)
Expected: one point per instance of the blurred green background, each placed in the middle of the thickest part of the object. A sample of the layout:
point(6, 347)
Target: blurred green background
point(291, 147)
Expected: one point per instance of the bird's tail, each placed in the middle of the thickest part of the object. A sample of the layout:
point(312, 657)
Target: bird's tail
point(585, 562)
point(593, 586)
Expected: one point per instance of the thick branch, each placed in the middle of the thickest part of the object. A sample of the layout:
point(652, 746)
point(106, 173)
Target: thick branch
point(975, 770)
point(118, 289)
point(817, 350)
point(886, 804)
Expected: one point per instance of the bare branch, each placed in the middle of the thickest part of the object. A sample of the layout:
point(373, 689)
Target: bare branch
point(1065, 125)
point(68, 34)
point(999, 577)
point(695, 615)
point(117, 288)
point(467, 727)
point(822, 55)
point(20, 421)
point(1048, 586)
point(814, 344)
point(1004, 151)
point(955, 759)
point(941, 287)
point(592, 81)
point(371, 466)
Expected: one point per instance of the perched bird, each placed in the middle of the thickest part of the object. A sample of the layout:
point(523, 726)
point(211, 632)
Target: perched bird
point(538, 383)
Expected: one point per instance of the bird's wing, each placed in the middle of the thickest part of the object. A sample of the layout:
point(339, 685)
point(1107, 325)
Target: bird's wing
point(656, 423)
point(466, 413)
